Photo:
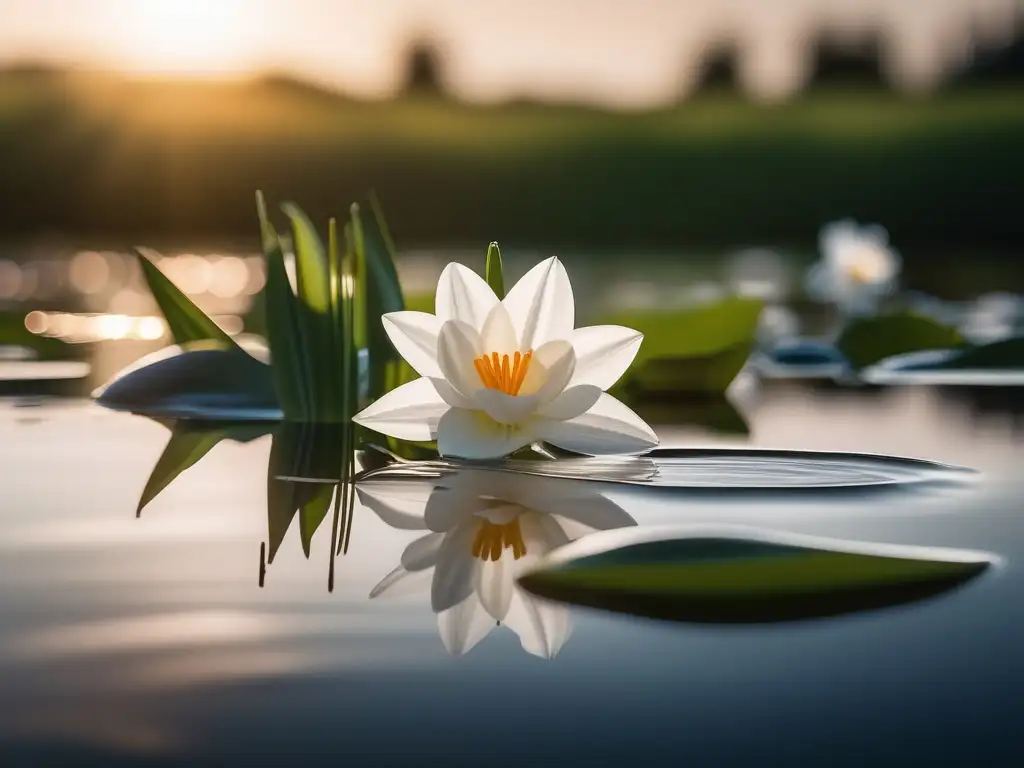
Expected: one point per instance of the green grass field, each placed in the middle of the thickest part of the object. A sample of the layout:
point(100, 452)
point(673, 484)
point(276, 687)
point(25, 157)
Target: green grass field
point(91, 156)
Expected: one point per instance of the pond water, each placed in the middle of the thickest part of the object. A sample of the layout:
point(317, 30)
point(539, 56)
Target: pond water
point(150, 640)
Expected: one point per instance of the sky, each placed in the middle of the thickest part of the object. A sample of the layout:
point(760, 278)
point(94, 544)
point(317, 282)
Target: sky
point(640, 52)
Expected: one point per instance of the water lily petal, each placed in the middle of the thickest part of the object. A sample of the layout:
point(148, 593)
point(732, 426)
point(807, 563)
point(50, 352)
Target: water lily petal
point(399, 504)
point(454, 573)
point(603, 353)
point(463, 295)
point(402, 583)
point(541, 534)
point(423, 552)
point(541, 305)
point(493, 582)
point(446, 508)
point(608, 427)
point(475, 435)
point(550, 371)
point(451, 395)
point(464, 625)
point(410, 412)
point(414, 335)
point(506, 409)
point(458, 345)
point(543, 627)
point(573, 402)
point(498, 334)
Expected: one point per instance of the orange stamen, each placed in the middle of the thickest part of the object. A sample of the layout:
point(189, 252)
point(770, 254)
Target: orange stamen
point(492, 539)
point(504, 373)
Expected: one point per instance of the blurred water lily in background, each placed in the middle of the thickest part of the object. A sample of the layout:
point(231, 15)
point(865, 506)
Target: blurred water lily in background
point(857, 267)
point(993, 317)
point(485, 529)
point(499, 374)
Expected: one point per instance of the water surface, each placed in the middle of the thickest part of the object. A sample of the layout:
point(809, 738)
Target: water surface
point(129, 640)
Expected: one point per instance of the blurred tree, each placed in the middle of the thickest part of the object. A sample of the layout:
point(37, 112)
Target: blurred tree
point(423, 70)
point(717, 69)
point(840, 62)
point(1001, 65)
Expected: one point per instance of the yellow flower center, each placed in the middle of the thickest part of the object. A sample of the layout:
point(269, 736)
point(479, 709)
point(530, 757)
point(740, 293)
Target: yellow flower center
point(492, 538)
point(502, 372)
point(866, 268)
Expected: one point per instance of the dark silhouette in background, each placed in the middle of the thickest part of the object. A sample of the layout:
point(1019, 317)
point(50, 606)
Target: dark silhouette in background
point(424, 70)
point(996, 67)
point(717, 71)
point(847, 63)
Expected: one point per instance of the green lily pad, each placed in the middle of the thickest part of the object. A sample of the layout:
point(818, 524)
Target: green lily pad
point(868, 340)
point(712, 412)
point(999, 355)
point(697, 350)
point(745, 575)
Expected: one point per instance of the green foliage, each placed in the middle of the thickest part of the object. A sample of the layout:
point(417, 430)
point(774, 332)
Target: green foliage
point(186, 321)
point(493, 272)
point(316, 330)
point(736, 580)
point(286, 334)
point(378, 292)
point(696, 350)
point(868, 340)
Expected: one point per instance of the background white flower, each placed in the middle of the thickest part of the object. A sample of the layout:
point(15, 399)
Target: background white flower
point(487, 527)
point(500, 375)
point(857, 266)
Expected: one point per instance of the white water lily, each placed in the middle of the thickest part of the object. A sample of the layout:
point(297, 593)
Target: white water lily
point(498, 375)
point(487, 527)
point(857, 266)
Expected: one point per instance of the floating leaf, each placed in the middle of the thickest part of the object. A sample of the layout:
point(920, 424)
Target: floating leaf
point(494, 274)
point(709, 374)
point(187, 322)
point(868, 340)
point(745, 575)
point(693, 350)
point(201, 381)
point(712, 412)
point(998, 355)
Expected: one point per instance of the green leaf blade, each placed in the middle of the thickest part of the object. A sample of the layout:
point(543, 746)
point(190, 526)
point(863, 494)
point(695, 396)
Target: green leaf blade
point(494, 274)
point(286, 337)
point(185, 320)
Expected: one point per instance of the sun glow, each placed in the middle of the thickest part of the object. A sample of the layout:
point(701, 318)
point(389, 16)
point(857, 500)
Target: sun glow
point(187, 37)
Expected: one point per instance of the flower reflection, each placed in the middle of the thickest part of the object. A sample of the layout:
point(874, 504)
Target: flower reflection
point(485, 528)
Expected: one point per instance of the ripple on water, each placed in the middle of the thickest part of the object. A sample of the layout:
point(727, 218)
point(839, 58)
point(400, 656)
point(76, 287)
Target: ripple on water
point(729, 470)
